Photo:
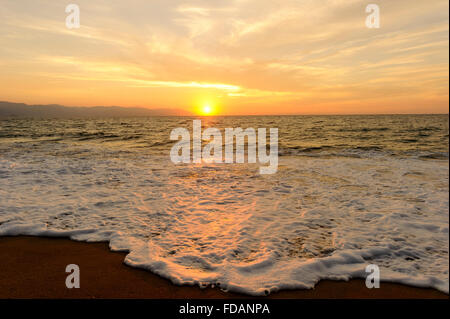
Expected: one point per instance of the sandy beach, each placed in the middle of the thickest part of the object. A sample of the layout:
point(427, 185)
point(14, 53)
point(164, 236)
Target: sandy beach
point(34, 267)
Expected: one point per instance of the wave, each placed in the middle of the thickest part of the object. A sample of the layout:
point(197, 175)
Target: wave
point(359, 151)
point(317, 218)
point(364, 129)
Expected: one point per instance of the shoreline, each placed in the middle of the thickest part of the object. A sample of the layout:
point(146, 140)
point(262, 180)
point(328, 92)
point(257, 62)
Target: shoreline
point(34, 267)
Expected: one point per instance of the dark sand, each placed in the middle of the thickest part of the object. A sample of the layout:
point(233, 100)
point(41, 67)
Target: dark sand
point(32, 267)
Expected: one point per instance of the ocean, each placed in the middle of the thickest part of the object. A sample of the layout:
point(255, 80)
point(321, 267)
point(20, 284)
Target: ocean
point(350, 191)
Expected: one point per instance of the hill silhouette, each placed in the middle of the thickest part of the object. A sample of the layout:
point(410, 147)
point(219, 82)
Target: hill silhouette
point(21, 110)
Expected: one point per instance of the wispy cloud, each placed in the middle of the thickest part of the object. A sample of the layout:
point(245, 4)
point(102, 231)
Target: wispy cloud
point(248, 55)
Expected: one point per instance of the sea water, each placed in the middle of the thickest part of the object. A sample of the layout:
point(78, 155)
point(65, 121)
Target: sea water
point(349, 191)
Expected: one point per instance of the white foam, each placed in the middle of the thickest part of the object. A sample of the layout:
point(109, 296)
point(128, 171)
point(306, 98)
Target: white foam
point(317, 218)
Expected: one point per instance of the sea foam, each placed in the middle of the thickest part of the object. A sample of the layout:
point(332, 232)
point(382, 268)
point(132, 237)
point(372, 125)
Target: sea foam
point(229, 226)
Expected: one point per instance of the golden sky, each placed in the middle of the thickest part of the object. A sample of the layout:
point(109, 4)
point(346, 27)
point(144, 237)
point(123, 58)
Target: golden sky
point(237, 56)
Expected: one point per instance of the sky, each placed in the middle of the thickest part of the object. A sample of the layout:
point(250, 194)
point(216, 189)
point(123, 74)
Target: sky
point(233, 56)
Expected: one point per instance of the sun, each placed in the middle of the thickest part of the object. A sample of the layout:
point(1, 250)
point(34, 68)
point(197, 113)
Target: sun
point(206, 107)
point(206, 110)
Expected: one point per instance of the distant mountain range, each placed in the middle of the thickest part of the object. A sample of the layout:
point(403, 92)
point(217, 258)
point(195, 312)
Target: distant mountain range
point(20, 110)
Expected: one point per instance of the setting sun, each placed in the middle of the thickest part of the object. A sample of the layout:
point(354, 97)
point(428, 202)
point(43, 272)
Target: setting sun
point(206, 110)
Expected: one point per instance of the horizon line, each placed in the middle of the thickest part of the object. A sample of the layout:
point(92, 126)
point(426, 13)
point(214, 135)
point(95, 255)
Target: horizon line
point(218, 115)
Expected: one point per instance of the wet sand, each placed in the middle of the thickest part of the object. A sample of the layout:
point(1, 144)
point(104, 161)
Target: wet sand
point(34, 267)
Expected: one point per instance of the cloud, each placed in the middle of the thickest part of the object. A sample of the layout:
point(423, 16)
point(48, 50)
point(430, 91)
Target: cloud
point(242, 51)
